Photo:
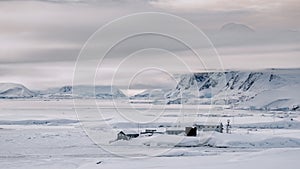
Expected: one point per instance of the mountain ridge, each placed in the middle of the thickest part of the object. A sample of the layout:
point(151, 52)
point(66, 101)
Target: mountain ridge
point(14, 90)
point(272, 89)
point(238, 88)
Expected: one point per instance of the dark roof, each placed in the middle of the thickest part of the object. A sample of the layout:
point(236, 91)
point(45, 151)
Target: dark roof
point(121, 132)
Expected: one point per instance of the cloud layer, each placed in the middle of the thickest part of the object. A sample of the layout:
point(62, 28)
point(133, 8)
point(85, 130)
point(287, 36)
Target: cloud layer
point(40, 40)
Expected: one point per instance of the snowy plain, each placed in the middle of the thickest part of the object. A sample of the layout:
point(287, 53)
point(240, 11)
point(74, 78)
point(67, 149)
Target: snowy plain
point(48, 134)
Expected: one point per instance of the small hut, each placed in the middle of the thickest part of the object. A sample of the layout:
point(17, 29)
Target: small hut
point(191, 131)
point(210, 127)
point(123, 136)
point(175, 131)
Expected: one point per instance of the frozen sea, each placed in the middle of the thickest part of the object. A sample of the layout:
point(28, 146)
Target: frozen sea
point(81, 134)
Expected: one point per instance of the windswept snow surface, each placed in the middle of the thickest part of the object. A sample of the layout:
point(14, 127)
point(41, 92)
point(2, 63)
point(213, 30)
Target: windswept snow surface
point(266, 159)
point(48, 134)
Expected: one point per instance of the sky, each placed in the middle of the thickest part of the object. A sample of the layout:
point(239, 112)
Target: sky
point(40, 40)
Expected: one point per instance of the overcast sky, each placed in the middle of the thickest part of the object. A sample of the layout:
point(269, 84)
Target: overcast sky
point(40, 40)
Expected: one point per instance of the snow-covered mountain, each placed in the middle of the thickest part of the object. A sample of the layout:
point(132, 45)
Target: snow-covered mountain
point(267, 89)
point(156, 96)
point(83, 91)
point(13, 90)
point(264, 89)
point(152, 94)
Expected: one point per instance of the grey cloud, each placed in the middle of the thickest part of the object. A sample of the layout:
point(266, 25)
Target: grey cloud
point(56, 55)
point(40, 39)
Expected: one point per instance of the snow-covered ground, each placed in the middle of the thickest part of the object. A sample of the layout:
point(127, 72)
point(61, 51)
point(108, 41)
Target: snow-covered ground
point(48, 134)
